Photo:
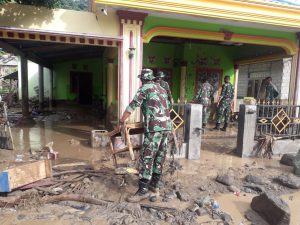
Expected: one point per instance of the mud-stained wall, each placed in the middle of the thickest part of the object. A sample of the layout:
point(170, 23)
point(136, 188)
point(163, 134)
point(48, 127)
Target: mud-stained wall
point(62, 85)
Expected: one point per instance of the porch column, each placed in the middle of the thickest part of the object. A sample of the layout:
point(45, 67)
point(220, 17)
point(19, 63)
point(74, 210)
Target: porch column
point(24, 87)
point(297, 83)
point(183, 70)
point(41, 87)
point(110, 74)
point(292, 90)
point(236, 78)
point(130, 55)
point(51, 90)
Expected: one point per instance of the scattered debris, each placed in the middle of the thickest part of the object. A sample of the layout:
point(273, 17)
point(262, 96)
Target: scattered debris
point(254, 179)
point(265, 147)
point(182, 196)
point(297, 164)
point(19, 176)
point(272, 208)
point(288, 159)
point(289, 180)
point(225, 179)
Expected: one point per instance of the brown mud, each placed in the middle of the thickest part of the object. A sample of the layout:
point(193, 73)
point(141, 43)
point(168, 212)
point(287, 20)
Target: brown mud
point(71, 139)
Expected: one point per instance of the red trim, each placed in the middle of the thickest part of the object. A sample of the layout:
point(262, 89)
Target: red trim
point(130, 66)
point(1, 33)
point(42, 37)
point(62, 39)
point(10, 34)
point(53, 38)
point(31, 36)
point(91, 41)
point(21, 35)
point(81, 40)
point(100, 42)
point(129, 15)
point(120, 71)
point(72, 39)
point(109, 43)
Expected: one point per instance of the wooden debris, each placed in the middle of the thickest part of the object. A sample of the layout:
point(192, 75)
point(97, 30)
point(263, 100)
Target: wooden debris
point(24, 174)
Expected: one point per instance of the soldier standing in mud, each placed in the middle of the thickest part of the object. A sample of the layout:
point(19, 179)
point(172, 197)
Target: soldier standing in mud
point(204, 96)
point(153, 100)
point(224, 104)
point(160, 76)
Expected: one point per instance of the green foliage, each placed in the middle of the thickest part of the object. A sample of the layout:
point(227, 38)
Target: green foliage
point(80, 5)
point(45, 3)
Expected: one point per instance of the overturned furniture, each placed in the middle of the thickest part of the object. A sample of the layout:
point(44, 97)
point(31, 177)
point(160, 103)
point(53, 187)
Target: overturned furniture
point(6, 141)
point(115, 136)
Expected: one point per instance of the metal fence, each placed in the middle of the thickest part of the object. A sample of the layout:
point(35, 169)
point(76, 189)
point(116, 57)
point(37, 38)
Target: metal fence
point(278, 121)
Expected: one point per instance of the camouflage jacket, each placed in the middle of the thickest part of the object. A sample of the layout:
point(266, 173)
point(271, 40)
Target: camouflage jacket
point(166, 86)
point(271, 93)
point(154, 103)
point(227, 93)
point(204, 94)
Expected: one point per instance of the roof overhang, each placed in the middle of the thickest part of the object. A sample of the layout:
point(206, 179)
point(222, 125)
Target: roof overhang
point(251, 11)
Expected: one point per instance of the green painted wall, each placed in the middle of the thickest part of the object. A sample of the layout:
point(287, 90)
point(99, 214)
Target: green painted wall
point(62, 77)
point(151, 22)
point(190, 53)
point(166, 56)
point(194, 52)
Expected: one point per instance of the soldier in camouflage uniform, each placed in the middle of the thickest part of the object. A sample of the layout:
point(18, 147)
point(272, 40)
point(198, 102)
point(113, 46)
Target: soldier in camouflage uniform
point(153, 100)
point(204, 96)
point(271, 90)
point(224, 104)
point(160, 76)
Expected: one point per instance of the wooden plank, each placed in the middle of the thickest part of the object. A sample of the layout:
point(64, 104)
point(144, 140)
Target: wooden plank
point(24, 174)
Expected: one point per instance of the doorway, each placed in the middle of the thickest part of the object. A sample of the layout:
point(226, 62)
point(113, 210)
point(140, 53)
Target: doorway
point(81, 83)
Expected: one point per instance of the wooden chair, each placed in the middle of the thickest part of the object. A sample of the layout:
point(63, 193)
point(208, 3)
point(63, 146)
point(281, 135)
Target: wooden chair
point(130, 129)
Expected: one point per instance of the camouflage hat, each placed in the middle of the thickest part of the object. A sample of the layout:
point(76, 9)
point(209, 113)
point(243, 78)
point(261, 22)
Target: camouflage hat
point(160, 74)
point(146, 74)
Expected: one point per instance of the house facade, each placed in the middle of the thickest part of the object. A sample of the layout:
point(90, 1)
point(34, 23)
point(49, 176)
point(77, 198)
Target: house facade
point(98, 54)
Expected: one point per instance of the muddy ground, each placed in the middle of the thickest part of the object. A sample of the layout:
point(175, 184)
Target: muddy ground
point(180, 188)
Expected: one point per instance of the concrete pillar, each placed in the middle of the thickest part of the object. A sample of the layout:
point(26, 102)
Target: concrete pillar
point(183, 70)
point(51, 90)
point(110, 80)
point(193, 129)
point(236, 80)
point(293, 79)
point(297, 80)
point(41, 87)
point(24, 87)
point(246, 130)
point(130, 58)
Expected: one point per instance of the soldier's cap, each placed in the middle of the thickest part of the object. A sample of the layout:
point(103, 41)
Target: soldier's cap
point(160, 74)
point(146, 74)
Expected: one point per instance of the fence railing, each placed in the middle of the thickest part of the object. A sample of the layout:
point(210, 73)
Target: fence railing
point(278, 121)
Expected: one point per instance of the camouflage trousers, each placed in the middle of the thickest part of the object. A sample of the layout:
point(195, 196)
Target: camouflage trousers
point(153, 154)
point(205, 114)
point(223, 110)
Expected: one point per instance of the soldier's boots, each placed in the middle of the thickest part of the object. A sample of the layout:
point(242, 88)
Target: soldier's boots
point(153, 186)
point(225, 127)
point(142, 193)
point(217, 127)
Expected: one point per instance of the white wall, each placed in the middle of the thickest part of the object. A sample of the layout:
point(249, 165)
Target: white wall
point(33, 80)
point(279, 70)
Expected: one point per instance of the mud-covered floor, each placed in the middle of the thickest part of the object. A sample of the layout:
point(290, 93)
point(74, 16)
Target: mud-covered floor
point(70, 130)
